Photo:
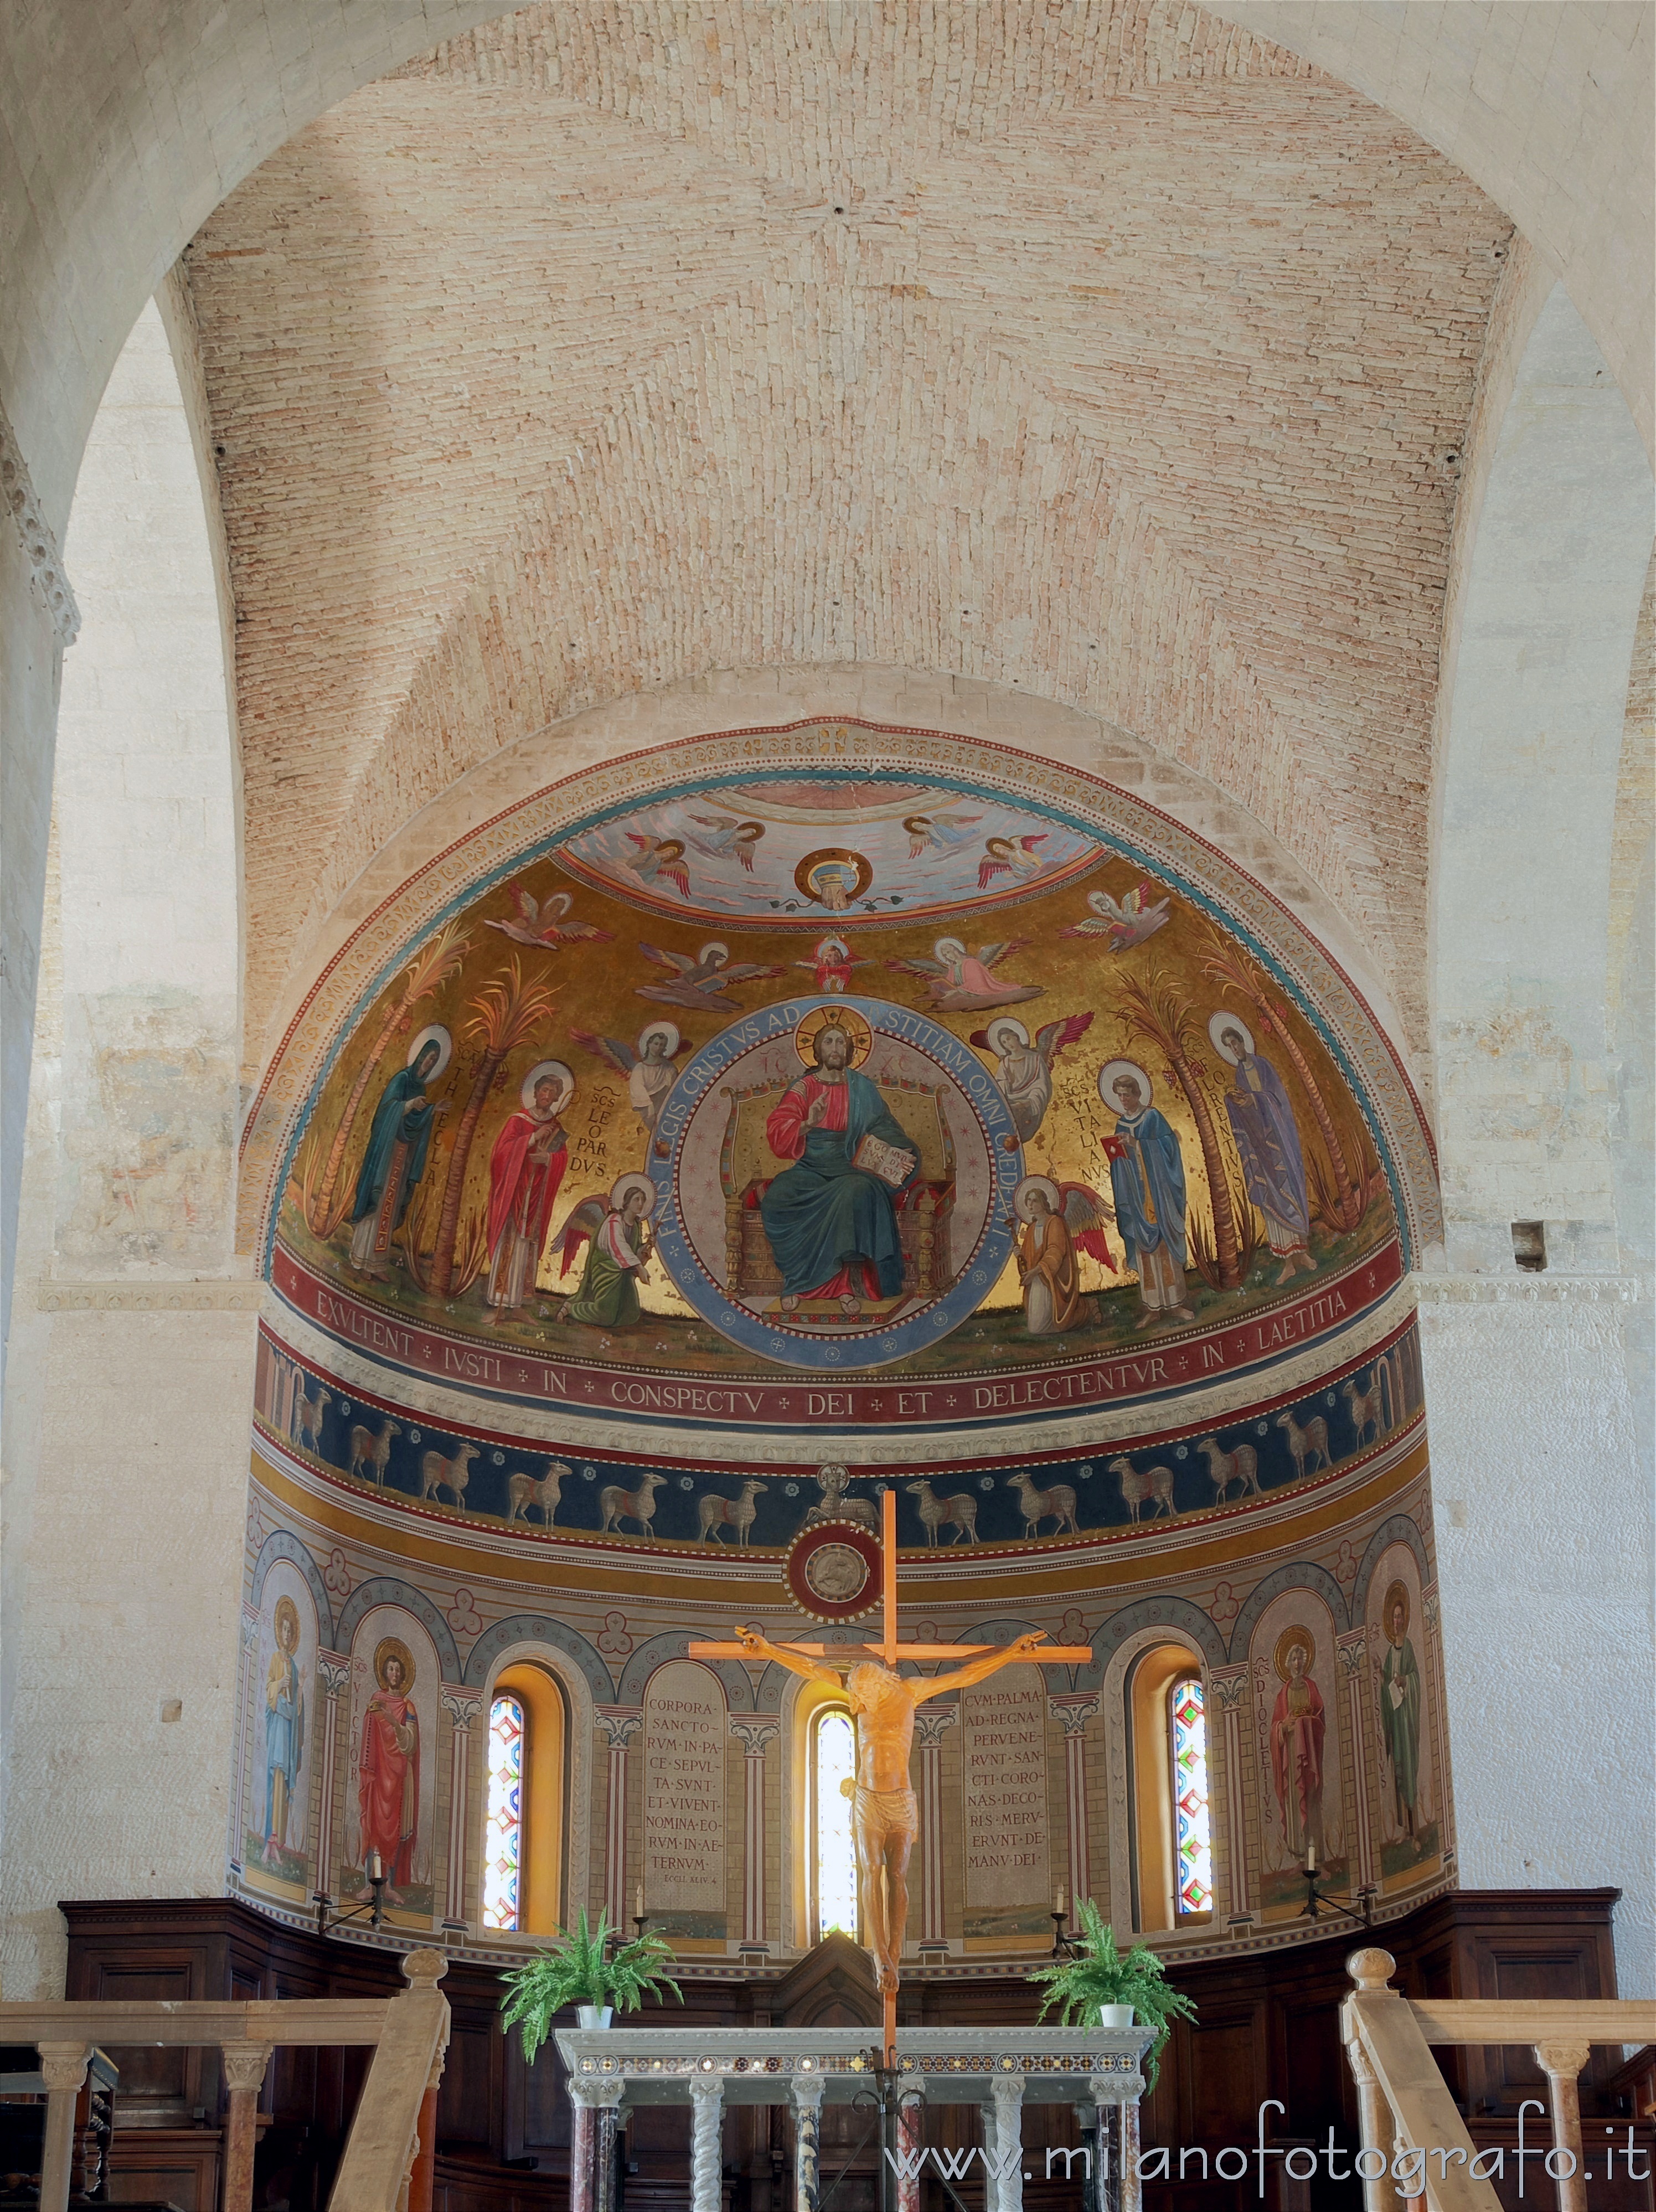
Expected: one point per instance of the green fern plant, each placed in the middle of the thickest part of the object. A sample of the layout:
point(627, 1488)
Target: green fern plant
point(577, 1971)
point(1098, 1975)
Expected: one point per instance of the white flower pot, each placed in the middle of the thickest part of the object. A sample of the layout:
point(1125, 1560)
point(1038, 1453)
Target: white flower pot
point(601, 2015)
point(1115, 2015)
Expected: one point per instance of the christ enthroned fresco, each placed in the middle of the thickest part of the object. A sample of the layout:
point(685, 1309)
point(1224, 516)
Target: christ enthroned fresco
point(837, 1178)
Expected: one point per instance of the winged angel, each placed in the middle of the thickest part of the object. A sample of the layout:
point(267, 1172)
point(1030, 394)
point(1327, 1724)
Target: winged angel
point(701, 981)
point(1025, 1071)
point(542, 922)
point(1139, 915)
point(961, 982)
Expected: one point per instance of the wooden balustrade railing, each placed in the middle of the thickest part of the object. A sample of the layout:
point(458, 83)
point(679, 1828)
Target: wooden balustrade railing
point(1404, 2102)
point(387, 2163)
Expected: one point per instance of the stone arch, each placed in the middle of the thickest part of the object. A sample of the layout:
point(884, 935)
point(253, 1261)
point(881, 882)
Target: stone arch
point(535, 1630)
point(1395, 1528)
point(279, 1545)
point(1299, 1574)
point(661, 1652)
point(549, 1646)
point(384, 1589)
point(1175, 1615)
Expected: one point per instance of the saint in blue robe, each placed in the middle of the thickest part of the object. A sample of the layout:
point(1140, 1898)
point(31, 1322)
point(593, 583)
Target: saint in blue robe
point(1147, 1177)
point(403, 1112)
point(1267, 1139)
point(821, 1213)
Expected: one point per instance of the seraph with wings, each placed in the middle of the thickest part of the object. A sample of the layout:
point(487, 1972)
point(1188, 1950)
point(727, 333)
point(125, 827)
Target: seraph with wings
point(729, 837)
point(543, 922)
point(1025, 1071)
point(661, 857)
point(1137, 916)
point(1010, 856)
point(961, 982)
point(700, 982)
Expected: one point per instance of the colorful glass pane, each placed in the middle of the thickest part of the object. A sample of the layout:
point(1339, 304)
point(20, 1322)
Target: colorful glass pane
point(503, 1829)
point(1192, 1834)
point(836, 1857)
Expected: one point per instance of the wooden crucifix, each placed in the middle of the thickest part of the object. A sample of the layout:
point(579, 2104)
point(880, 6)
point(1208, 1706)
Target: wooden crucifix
point(886, 1821)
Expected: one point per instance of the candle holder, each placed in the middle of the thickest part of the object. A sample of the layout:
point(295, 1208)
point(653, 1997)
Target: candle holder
point(1063, 1942)
point(375, 1908)
point(1315, 1898)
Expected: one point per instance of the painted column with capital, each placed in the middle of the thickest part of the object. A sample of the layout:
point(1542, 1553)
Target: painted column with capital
point(620, 1725)
point(333, 1675)
point(755, 1736)
point(247, 1668)
point(1352, 1650)
point(931, 1723)
point(463, 1706)
point(1227, 1685)
point(1075, 1708)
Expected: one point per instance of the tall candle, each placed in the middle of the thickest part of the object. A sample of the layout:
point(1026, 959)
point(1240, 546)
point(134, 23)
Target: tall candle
point(638, 1902)
point(1310, 1858)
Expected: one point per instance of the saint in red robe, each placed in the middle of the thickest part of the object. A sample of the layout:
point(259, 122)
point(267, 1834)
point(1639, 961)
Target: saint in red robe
point(524, 1170)
point(388, 1783)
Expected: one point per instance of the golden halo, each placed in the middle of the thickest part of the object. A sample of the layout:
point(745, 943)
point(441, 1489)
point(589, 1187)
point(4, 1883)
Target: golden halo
point(433, 1033)
point(832, 856)
point(839, 1016)
point(624, 1189)
point(1030, 1183)
point(1396, 1595)
point(1285, 1644)
point(285, 1610)
point(555, 1072)
point(390, 1648)
point(669, 1030)
point(1218, 1024)
point(1111, 1070)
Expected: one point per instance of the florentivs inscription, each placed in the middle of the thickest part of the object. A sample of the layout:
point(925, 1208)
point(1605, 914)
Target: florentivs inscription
point(1004, 1755)
point(684, 1802)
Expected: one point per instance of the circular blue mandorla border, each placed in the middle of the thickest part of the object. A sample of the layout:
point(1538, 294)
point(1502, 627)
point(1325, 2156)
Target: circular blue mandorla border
point(875, 1348)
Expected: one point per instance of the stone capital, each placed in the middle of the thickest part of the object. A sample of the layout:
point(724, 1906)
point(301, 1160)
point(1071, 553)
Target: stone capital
point(462, 1705)
point(808, 2091)
point(932, 1724)
point(752, 1735)
point(1228, 1687)
point(63, 2065)
point(333, 1671)
point(1075, 1708)
point(245, 2065)
point(602, 2096)
point(620, 1725)
point(1561, 2061)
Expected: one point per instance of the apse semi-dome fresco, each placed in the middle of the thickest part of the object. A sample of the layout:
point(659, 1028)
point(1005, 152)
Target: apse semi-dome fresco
point(683, 1153)
point(889, 1096)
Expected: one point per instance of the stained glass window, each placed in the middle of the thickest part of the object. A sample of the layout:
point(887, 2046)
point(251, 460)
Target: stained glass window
point(1192, 1829)
point(503, 1831)
point(834, 1761)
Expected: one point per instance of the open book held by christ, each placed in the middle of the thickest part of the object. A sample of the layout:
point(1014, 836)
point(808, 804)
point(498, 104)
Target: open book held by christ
point(876, 1157)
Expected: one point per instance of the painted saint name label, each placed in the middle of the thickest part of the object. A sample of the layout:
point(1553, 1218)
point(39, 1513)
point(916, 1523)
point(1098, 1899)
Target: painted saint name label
point(684, 1801)
point(1003, 1782)
point(1154, 1371)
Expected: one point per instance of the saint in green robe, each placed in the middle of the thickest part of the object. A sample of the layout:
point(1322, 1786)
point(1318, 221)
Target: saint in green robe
point(609, 1286)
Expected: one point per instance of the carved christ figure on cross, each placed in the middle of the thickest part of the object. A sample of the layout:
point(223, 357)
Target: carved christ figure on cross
point(885, 1821)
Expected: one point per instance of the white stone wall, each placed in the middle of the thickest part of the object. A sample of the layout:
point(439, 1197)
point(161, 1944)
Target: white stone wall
point(1541, 1510)
point(122, 1513)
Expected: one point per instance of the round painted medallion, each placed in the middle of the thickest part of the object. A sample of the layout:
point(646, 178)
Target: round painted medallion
point(840, 1174)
